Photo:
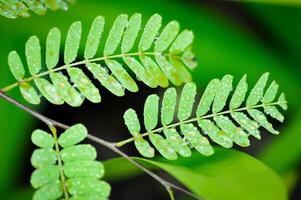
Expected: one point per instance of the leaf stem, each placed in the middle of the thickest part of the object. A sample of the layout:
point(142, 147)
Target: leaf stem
point(60, 162)
point(83, 62)
point(126, 141)
point(107, 144)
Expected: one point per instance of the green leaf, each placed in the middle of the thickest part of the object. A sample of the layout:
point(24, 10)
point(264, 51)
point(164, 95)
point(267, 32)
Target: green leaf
point(215, 134)
point(177, 143)
point(282, 101)
point(85, 169)
point(245, 122)
point(271, 93)
point(150, 32)
point(69, 94)
point(207, 97)
point(274, 112)
point(168, 106)
point(184, 74)
point(16, 65)
point(168, 69)
point(144, 148)
point(182, 42)
point(48, 91)
point(29, 93)
point(132, 122)
point(222, 93)
point(105, 79)
point(85, 186)
point(84, 84)
point(139, 71)
point(50, 191)
point(94, 37)
point(43, 157)
point(236, 134)
point(186, 101)
point(158, 76)
point(257, 91)
point(53, 47)
point(115, 35)
point(131, 33)
point(44, 175)
point(167, 36)
point(121, 75)
point(42, 139)
point(194, 137)
point(189, 59)
point(73, 135)
point(262, 120)
point(163, 146)
point(33, 55)
point(151, 109)
point(239, 93)
point(72, 42)
point(78, 152)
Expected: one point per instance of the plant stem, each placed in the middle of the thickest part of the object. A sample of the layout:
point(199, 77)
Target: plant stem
point(60, 162)
point(107, 144)
point(124, 142)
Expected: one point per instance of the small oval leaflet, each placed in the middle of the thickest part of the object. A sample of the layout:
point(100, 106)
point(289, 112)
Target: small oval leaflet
point(48, 91)
point(140, 71)
point(207, 97)
point(42, 139)
point(151, 109)
point(246, 123)
point(257, 91)
point(105, 79)
point(186, 101)
point(84, 84)
point(73, 135)
point(131, 33)
point(82, 186)
point(144, 148)
point(240, 93)
point(167, 36)
point(72, 42)
point(50, 191)
point(29, 94)
point(16, 65)
point(222, 93)
point(53, 47)
point(132, 122)
point(85, 169)
point(78, 152)
point(33, 55)
point(163, 146)
point(215, 134)
point(271, 93)
point(168, 106)
point(69, 94)
point(43, 157)
point(44, 175)
point(177, 143)
point(94, 37)
point(194, 137)
point(150, 32)
point(274, 112)
point(182, 42)
point(115, 34)
point(261, 118)
point(184, 74)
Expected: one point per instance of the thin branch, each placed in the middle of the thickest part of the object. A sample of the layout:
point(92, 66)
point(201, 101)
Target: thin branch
point(107, 144)
point(160, 129)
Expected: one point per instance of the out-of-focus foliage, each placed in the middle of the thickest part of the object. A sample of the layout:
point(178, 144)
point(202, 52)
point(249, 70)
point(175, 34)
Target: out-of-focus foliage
point(228, 174)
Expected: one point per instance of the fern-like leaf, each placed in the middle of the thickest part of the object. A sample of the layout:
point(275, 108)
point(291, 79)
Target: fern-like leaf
point(66, 168)
point(220, 125)
point(20, 8)
point(154, 61)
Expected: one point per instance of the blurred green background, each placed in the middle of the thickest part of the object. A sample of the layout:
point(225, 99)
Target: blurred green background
point(230, 38)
